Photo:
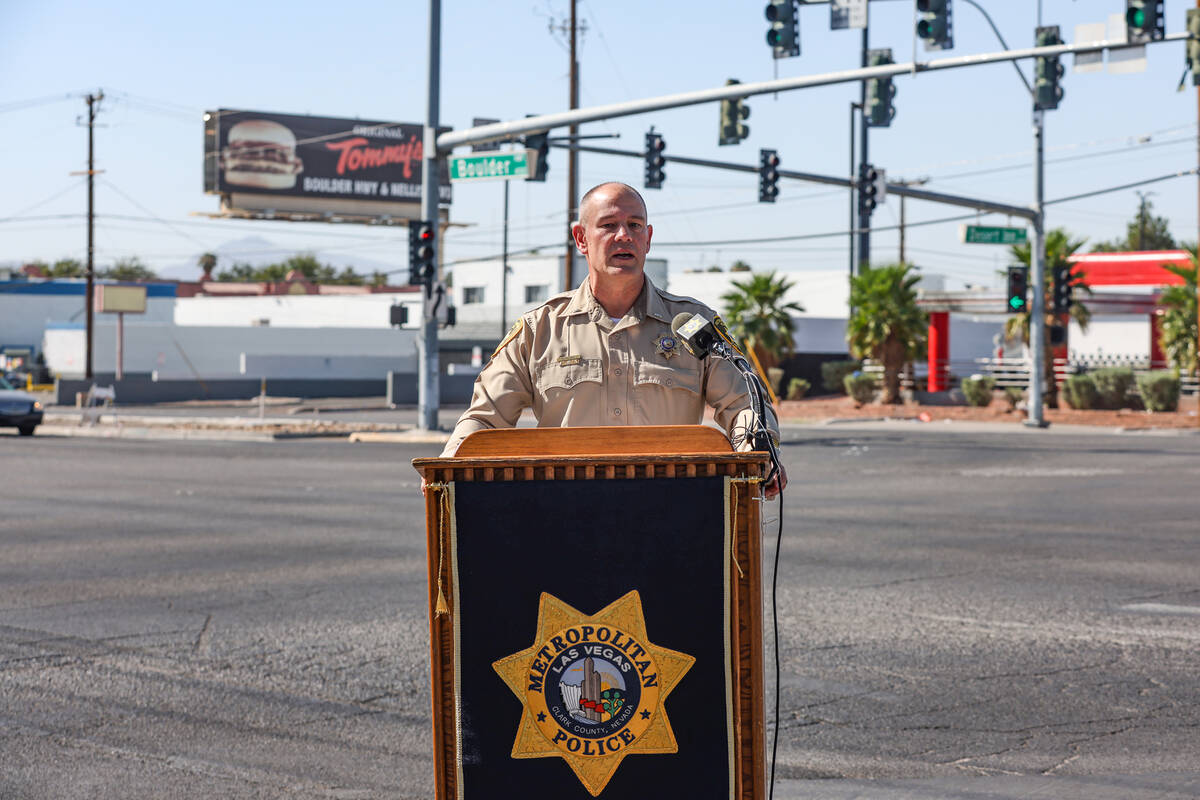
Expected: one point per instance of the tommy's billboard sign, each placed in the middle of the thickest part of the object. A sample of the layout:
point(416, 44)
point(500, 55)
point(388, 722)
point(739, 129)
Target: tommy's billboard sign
point(314, 159)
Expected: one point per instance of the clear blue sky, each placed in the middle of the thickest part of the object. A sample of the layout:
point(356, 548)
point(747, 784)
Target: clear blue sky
point(162, 64)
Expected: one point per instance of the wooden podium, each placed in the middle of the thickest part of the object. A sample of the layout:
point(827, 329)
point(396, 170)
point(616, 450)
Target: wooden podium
point(630, 558)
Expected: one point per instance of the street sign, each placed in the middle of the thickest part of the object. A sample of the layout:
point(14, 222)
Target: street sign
point(986, 234)
point(485, 147)
point(492, 166)
point(845, 14)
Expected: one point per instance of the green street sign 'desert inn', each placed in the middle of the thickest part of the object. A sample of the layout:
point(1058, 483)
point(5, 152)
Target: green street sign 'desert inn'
point(987, 234)
point(490, 166)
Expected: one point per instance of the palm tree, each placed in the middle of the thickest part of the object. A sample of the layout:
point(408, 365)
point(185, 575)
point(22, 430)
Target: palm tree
point(207, 263)
point(887, 325)
point(757, 314)
point(1179, 328)
point(1059, 247)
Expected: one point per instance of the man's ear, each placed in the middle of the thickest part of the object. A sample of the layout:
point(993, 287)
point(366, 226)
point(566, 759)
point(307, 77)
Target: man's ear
point(649, 236)
point(580, 239)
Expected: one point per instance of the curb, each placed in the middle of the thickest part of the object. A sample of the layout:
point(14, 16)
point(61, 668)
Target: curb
point(413, 436)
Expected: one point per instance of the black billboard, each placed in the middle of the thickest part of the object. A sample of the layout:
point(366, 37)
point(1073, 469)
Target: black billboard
point(260, 153)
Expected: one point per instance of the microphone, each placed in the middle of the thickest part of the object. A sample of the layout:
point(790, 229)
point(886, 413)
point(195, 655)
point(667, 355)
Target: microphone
point(696, 333)
point(700, 338)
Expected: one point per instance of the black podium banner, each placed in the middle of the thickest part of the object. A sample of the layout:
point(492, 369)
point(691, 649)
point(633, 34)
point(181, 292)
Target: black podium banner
point(605, 604)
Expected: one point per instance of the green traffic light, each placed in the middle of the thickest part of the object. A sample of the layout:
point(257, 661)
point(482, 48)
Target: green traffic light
point(1136, 17)
point(1016, 303)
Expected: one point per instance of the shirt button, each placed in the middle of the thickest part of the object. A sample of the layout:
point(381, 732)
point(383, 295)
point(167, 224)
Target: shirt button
point(568, 381)
point(617, 411)
point(670, 382)
point(617, 370)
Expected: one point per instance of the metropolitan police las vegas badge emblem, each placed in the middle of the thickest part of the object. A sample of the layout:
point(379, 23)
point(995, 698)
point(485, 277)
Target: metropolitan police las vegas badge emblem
point(593, 688)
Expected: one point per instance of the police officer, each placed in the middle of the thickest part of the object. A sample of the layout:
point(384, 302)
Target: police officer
point(604, 354)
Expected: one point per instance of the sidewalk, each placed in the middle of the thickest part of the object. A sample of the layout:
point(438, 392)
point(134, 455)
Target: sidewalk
point(369, 419)
point(997, 787)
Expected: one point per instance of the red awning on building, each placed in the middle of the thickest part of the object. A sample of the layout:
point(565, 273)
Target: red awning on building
point(1129, 269)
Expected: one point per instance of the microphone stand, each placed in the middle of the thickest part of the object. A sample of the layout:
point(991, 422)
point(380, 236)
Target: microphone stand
point(759, 434)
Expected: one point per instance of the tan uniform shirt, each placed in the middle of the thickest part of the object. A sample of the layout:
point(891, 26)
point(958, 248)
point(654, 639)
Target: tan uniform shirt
point(570, 363)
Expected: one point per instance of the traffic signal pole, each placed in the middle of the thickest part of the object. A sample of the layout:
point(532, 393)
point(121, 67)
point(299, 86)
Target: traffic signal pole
point(427, 343)
point(1037, 308)
point(864, 213)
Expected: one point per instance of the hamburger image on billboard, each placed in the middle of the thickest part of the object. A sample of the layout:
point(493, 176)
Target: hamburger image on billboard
point(261, 154)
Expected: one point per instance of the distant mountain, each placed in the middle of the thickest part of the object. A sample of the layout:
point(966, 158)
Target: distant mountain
point(260, 251)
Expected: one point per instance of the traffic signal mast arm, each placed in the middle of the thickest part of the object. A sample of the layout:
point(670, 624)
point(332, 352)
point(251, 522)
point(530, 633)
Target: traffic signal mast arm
point(509, 130)
point(899, 189)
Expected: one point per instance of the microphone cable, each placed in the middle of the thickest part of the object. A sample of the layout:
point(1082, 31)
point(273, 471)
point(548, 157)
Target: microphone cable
point(775, 627)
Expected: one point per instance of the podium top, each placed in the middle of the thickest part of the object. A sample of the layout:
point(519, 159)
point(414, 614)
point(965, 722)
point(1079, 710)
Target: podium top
point(606, 441)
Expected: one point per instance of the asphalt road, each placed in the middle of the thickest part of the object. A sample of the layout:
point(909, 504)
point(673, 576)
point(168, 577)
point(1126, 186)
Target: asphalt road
point(975, 615)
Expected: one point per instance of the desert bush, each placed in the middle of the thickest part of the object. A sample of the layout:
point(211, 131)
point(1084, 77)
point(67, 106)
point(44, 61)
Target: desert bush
point(833, 374)
point(1159, 390)
point(775, 376)
point(1112, 386)
point(861, 387)
point(978, 389)
point(797, 388)
point(1080, 391)
point(1013, 395)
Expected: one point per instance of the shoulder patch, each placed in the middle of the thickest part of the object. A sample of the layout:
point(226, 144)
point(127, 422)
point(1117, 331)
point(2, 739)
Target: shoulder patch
point(512, 334)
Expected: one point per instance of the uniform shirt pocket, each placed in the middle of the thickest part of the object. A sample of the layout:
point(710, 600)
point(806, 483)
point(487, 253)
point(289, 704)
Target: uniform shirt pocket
point(650, 374)
point(567, 376)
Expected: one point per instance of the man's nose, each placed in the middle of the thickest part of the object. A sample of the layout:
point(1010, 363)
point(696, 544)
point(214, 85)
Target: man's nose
point(624, 233)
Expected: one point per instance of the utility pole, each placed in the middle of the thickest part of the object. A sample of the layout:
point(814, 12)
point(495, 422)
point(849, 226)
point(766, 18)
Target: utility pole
point(1141, 242)
point(93, 103)
point(914, 182)
point(427, 345)
point(570, 28)
point(572, 165)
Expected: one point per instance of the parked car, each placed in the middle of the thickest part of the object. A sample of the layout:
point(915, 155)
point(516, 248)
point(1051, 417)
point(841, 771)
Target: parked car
point(18, 409)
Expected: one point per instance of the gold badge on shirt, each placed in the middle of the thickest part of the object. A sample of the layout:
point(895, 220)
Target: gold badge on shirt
point(592, 688)
point(666, 345)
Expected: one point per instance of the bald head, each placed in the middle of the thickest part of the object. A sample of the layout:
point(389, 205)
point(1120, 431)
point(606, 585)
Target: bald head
point(608, 189)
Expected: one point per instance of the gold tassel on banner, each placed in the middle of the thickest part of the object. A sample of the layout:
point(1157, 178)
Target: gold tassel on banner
point(441, 606)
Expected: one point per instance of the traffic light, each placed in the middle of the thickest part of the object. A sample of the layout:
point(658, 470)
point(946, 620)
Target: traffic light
point(1144, 21)
point(880, 92)
point(784, 33)
point(732, 113)
point(1047, 71)
point(934, 27)
point(541, 143)
point(1062, 289)
point(872, 188)
point(421, 266)
point(655, 160)
point(768, 176)
point(1018, 288)
point(1193, 45)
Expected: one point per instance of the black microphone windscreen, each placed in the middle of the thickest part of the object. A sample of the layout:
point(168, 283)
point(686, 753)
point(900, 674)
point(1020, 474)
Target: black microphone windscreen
point(695, 332)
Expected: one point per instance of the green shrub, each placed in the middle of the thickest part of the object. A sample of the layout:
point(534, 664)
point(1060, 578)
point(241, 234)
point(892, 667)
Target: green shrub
point(859, 386)
point(1013, 395)
point(797, 388)
point(1159, 390)
point(1112, 386)
point(1080, 391)
point(978, 389)
point(833, 375)
point(775, 376)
